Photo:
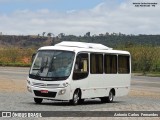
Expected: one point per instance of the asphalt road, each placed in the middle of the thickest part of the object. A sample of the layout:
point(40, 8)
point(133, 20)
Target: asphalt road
point(146, 83)
point(144, 95)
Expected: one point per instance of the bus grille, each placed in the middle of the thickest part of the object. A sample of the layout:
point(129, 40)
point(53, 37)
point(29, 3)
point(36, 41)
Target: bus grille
point(42, 85)
point(49, 94)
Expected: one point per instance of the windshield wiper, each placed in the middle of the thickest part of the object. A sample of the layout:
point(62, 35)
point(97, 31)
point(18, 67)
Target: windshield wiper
point(36, 69)
point(40, 70)
point(43, 65)
point(61, 78)
point(51, 67)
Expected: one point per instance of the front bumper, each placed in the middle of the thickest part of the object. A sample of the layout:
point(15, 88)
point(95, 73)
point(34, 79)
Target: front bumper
point(53, 93)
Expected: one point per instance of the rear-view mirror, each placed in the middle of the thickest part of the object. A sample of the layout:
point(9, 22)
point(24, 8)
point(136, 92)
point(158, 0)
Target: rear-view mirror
point(33, 56)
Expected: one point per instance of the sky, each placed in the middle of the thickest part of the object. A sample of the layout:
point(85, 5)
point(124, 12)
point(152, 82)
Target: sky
point(76, 17)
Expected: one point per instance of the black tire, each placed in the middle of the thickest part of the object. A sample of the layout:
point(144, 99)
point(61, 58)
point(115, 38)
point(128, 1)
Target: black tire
point(104, 99)
point(38, 100)
point(110, 97)
point(76, 98)
point(81, 101)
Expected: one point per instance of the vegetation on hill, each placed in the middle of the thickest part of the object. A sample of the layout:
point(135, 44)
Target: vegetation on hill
point(117, 40)
point(144, 58)
point(14, 56)
point(111, 40)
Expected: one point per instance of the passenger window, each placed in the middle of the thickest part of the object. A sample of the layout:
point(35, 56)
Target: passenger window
point(81, 66)
point(123, 64)
point(96, 63)
point(110, 64)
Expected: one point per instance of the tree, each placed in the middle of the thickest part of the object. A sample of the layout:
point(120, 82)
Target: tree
point(50, 34)
point(43, 33)
point(87, 34)
point(60, 35)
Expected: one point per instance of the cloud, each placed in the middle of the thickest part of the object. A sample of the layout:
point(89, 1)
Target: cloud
point(71, 11)
point(109, 16)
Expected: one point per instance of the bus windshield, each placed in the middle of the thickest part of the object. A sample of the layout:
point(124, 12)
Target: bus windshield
point(52, 65)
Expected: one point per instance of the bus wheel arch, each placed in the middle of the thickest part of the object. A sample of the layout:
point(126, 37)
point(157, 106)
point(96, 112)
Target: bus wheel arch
point(113, 91)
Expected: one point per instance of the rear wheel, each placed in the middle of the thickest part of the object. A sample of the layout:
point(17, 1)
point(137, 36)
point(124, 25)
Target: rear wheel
point(110, 97)
point(38, 100)
point(104, 99)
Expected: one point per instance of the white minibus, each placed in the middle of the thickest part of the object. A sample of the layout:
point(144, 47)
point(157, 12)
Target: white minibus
point(75, 71)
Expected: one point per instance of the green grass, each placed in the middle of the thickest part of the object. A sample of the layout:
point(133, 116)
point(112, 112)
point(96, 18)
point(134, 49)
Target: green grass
point(149, 74)
point(153, 74)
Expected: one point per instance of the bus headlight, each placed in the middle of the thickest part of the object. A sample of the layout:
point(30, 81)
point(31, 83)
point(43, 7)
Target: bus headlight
point(65, 84)
point(61, 92)
point(29, 89)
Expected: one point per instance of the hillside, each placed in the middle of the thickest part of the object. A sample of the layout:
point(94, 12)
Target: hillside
point(109, 40)
point(117, 40)
point(25, 41)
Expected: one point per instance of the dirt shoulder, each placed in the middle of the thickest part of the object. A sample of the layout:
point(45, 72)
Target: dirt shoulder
point(12, 86)
point(143, 93)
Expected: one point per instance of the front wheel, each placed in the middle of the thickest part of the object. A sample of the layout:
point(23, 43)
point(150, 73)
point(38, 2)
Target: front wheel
point(38, 100)
point(81, 101)
point(75, 98)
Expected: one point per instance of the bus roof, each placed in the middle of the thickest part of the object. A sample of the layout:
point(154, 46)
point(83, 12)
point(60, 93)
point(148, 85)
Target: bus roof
point(81, 47)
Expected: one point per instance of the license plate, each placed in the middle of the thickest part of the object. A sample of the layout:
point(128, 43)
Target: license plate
point(44, 91)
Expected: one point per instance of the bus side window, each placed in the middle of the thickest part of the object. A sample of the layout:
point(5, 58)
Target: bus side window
point(96, 64)
point(110, 64)
point(81, 66)
point(123, 64)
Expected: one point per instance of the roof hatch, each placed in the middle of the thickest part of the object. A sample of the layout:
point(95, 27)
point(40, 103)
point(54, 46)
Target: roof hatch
point(83, 45)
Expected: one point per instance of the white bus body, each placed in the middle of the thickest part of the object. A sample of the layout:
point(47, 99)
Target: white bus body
point(76, 71)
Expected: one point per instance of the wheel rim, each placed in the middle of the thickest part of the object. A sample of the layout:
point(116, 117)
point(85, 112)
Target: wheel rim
point(110, 96)
point(76, 98)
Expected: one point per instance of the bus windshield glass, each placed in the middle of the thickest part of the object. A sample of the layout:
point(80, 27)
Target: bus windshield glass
point(52, 65)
